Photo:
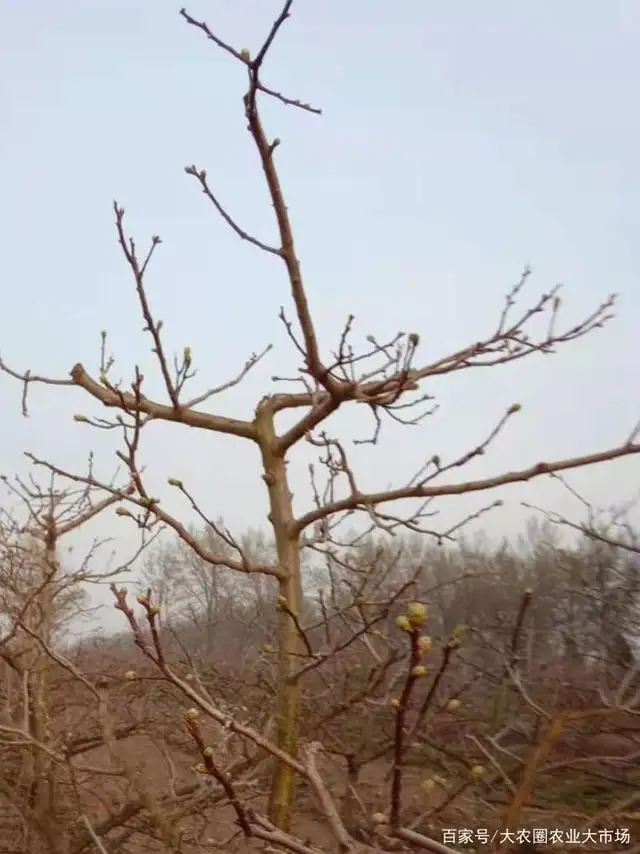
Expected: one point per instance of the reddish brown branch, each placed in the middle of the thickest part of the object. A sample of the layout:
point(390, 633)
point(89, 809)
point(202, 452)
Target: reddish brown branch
point(192, 418)
point(360, 501)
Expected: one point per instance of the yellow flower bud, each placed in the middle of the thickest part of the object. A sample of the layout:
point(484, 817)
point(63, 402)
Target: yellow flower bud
point(417, 614)
point(453, 705)
point(477, 772)
point(403, 624)
point(419, 670)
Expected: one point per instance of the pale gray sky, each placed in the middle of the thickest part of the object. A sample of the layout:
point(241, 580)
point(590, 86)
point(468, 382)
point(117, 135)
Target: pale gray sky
point(459, 142)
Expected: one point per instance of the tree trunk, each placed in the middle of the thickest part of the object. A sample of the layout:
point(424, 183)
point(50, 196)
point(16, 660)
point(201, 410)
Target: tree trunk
point(290, 646)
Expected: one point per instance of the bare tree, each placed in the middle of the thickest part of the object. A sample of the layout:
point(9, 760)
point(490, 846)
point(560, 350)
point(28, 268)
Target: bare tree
point(386, 377)
point(39, 598)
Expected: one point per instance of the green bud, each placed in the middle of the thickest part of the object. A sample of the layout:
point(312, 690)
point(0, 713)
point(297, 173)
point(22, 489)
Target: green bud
point(173, 481)
point(81, 419)
point(417, 614)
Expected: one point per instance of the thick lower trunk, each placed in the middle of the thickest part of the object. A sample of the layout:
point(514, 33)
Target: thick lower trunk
point(288, 708)
point(290, 646)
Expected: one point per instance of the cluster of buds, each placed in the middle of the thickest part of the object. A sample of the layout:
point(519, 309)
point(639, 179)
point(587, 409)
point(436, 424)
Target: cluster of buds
point(412, 622)
point(152, 610)
point(415, 617)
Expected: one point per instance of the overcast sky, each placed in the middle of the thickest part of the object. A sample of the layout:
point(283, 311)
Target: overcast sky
point(458, 142)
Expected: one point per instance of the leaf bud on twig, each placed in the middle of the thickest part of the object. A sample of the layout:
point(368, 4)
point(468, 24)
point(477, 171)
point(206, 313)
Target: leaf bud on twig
point(403, 623)
point(417, 614)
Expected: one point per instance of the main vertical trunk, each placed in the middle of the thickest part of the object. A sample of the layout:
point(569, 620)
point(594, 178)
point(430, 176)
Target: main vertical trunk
point(290, 645)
